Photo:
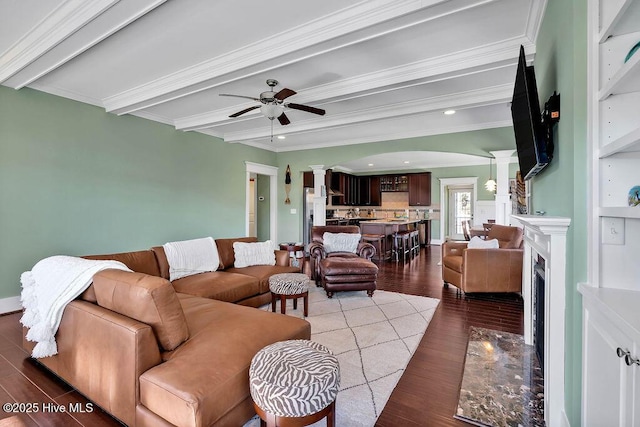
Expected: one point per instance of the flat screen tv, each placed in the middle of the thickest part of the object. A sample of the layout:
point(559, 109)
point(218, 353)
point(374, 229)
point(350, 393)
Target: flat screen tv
point(534, 152)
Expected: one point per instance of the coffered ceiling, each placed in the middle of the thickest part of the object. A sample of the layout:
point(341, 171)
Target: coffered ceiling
point(382, 69)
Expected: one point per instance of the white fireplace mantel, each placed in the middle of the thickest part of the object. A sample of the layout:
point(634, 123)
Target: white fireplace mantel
point(547, 236)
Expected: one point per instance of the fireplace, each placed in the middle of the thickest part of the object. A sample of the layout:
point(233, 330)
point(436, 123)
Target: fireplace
point(544, 294)
point(538, 308)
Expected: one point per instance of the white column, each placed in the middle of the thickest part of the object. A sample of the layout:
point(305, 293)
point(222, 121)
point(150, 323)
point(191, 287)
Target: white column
point(503, 201)
point(319, 195)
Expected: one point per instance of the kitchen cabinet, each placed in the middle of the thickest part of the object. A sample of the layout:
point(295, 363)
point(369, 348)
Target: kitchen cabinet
point(370, 191)
point(610, 388)
point(420, 189)
point(392, 183)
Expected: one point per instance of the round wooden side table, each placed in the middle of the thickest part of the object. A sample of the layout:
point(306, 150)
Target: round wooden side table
point(295, 248)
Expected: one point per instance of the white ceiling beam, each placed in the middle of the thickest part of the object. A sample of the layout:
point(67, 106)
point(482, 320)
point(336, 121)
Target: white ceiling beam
point(129, 17)
point(470, 99)
point(450, 66)
point(63, 21)
point(348, 26)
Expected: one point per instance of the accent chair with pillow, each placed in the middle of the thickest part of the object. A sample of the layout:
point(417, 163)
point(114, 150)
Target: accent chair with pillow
point(493, 264)
point(341, 261)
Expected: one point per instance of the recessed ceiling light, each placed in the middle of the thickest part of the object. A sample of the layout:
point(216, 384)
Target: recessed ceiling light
point(370, 164)
point(281, 137)
point(406, 162)
point(450, 112)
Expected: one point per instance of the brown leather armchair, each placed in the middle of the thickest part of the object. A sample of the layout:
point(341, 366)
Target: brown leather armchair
point(486, 270)
point(342, 271)
point(316, 248)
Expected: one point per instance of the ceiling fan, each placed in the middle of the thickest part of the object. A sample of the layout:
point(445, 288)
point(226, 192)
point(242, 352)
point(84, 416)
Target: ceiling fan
point(272, 104)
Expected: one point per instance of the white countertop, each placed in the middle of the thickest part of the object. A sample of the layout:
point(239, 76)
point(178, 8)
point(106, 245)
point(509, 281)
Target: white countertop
point(403, 221)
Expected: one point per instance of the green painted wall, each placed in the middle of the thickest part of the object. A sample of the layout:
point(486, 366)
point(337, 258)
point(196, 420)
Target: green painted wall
point(561, 189)
point(476, 142)
point(76, 180)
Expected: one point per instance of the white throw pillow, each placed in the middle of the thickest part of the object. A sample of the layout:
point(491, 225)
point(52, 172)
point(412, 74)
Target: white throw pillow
point(341, 242)
point(257, 253)
point(189, 257)
point(478, 243)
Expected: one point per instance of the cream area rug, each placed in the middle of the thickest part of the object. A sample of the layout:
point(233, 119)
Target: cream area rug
point(373, 338)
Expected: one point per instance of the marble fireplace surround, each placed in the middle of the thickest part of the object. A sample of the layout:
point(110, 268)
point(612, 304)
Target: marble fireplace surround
point(545, 236)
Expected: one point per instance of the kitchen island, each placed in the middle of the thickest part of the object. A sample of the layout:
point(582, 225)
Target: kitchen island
point(387, 228)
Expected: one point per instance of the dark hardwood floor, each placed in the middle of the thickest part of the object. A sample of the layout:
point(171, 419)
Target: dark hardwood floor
point(426, 395)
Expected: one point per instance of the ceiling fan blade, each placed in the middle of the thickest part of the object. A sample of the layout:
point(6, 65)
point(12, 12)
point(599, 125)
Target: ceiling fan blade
point(246, 110)
point(284, 93)
point(240, 96)
point(283, 119)
point(306, 108)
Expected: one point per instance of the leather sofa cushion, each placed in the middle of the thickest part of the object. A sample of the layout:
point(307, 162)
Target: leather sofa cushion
point(208, 375)
point(148, 299)
point(262, 273)
point(225, 250)
point(219, 285)
point(138, 261)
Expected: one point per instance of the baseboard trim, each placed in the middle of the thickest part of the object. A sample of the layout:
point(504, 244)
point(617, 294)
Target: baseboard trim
point(436, 242)
point(8, 305)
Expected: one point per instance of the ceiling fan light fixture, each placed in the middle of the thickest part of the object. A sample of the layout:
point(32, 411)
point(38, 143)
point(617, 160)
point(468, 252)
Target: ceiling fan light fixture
point(270, 111)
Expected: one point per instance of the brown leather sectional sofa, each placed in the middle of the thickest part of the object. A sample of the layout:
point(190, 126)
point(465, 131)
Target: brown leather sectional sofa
point(155, 353)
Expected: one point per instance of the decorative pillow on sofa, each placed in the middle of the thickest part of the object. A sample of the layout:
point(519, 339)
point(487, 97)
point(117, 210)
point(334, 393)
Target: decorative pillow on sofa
point(478, 243)
point(257, 253)
point(189, 257)
point(341, 242)
point(148, 299)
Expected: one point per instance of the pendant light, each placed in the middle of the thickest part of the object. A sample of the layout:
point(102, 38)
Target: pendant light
point(490, 185)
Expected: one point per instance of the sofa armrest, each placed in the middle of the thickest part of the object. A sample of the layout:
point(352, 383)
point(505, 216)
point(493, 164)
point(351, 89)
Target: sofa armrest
point(102, 354)
point(453, 248)
point(492, 270)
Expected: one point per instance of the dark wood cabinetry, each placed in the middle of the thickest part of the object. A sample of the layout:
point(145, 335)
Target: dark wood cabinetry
point(366, 190)
point(420, 189)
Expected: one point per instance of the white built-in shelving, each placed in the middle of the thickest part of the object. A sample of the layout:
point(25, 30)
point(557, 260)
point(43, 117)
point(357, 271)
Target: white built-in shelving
point(611, 319)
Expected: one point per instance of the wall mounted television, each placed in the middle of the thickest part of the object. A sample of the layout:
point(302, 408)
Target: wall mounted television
point(533, 133)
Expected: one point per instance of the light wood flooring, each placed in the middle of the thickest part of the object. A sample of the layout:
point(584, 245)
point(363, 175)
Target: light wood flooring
point(426, 395)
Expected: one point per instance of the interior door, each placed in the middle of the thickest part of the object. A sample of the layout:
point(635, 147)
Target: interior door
point(460, 209)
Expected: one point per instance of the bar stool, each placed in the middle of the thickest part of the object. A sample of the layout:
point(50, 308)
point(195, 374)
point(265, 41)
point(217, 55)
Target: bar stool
point(379, 241)
point(401, 244)
point(414, 238)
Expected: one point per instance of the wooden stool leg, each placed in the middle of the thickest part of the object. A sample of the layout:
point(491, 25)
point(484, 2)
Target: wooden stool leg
point(295, 303)
point(283, 304)
point(306, 304)
point(273, 302)
point(331, 416)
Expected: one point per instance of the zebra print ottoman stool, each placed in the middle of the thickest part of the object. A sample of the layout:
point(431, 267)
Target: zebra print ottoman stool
point(286, 286)
point(294, 383)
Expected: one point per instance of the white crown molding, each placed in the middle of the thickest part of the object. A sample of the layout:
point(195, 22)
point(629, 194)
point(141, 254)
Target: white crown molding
point(88, 45)
point(534, 21)
point(422, 72)
point(66, 94)
point(334, 31)
point(63, 21)
point(469, 99)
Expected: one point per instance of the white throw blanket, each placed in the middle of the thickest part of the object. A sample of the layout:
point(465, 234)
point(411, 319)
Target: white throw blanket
point(48, 288)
